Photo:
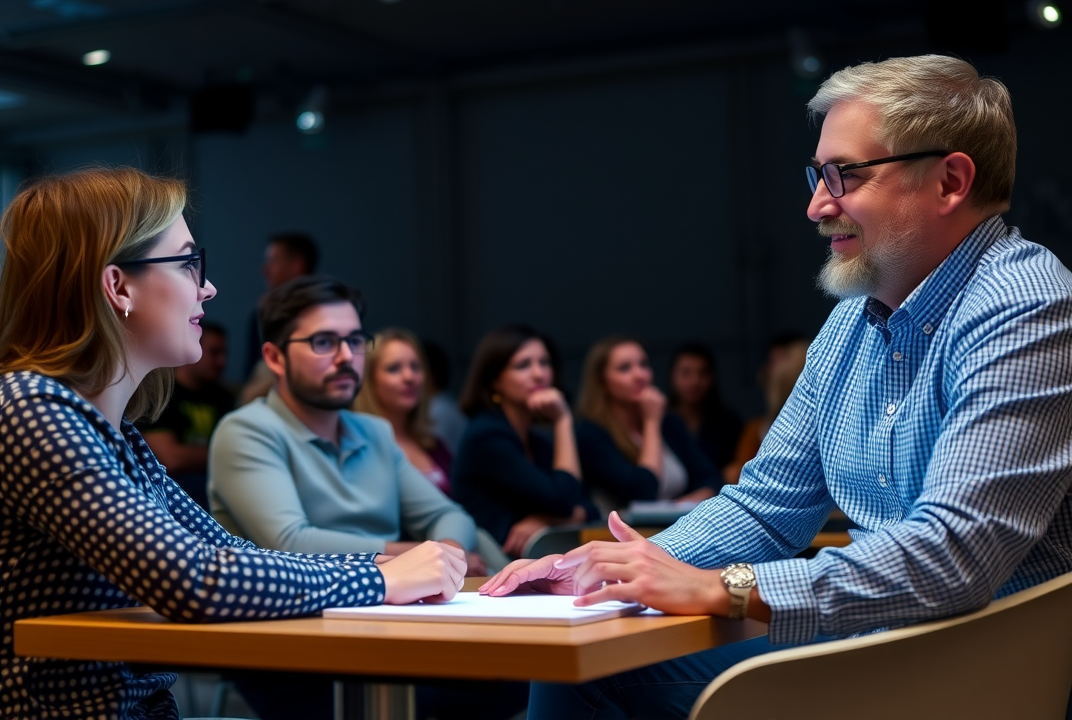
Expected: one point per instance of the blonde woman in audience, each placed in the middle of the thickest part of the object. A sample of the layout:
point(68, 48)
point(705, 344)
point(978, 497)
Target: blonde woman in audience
point(630, 447)
point(101, 294)
point(394, 389)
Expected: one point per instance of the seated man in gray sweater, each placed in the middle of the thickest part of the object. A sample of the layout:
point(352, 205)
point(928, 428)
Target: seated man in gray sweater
point(297, 471)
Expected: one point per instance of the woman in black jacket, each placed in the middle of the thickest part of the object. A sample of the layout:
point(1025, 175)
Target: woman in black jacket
point(511, 477)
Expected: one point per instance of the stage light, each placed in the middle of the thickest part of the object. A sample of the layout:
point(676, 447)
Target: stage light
point(310, 119)
point(1043, 14)
point(96, 57)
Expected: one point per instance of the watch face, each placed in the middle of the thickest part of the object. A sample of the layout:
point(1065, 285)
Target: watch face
point(739, 575)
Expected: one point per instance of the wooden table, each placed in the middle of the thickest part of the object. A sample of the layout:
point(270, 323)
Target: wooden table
point(404, 650)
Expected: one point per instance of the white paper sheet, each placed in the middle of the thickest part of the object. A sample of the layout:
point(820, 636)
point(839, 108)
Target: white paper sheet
point(471, 607)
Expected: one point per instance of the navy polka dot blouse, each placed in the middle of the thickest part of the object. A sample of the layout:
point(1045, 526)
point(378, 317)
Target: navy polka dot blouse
point(89, 520)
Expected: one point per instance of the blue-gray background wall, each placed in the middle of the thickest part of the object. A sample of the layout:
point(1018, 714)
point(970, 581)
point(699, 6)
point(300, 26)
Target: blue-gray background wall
point(663, 200)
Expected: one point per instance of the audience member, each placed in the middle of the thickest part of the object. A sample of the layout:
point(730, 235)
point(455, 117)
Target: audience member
point(512, 479)
point(298, 471)
point(288, 255)
point(101, 293)
point(179, 437)
point(785, 361)
point(394, 389)
point(934, 408)
point(695, 398)
point(448, 421)
point(630, 447)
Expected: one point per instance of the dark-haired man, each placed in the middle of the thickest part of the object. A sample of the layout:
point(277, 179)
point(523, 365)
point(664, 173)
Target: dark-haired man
point(297, 470)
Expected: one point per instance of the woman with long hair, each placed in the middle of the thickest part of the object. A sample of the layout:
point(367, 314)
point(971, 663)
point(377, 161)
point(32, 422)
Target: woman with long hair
point(513, 480)
point(394, 389)
point(630, 448)
point(101, 294)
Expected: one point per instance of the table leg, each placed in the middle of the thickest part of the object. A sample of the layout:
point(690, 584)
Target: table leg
point(375, 701)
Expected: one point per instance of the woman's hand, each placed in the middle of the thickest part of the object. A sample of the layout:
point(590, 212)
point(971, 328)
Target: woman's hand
point(432, 572)
point(549, 404)
point(520, 533)
point(475, 566)
point(652, 404)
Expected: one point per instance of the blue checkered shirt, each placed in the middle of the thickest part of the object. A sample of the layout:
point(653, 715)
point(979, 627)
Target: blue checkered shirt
point(943, 429)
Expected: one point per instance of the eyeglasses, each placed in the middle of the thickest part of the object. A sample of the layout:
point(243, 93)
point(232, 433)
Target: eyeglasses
point(835, 181)
point(195, 262)
point(327, 343)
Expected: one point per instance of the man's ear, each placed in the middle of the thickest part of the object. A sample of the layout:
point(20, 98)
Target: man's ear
point(955, 182)
point(117, 289)
point(274, 358)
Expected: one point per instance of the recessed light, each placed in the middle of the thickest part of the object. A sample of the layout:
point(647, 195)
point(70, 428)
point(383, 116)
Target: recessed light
point(96, 57)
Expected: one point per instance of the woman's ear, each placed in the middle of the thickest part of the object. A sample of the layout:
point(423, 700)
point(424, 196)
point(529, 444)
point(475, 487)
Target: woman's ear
point(117, 289)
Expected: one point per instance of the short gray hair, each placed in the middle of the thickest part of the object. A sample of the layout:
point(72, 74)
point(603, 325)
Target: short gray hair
point(934, 102)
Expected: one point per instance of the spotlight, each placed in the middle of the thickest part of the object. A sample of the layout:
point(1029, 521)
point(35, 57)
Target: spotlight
point(310, 118)
point(96, 57)
point(805, 59)
point(310, 121)
point(1044, 14)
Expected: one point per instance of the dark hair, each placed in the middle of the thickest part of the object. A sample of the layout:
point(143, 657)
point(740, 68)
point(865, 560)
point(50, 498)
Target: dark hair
point(279, 312)
point(438, 364)
point(696, 349)
point(298, 244)
point(208, 326)
point(491, 358)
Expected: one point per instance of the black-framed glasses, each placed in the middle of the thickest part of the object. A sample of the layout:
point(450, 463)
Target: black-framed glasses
point(327, 343)
point(831, 173)
point(195, 261)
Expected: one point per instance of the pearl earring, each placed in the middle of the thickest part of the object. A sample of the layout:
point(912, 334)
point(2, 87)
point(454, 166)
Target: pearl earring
point(126, 313)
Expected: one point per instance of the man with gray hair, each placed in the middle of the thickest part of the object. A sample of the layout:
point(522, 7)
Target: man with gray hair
point(934, 408)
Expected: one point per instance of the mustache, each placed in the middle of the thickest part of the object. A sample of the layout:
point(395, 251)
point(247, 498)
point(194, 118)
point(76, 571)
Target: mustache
point(343, 372)
point(838, 226)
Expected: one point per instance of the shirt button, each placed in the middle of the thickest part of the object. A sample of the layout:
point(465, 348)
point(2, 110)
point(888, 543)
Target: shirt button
point(897, 355)
point(882, 480)
point(928, 329)
point(891, 409)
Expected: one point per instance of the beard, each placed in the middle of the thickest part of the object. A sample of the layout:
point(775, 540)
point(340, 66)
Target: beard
point(318, 395)
point(881, 258)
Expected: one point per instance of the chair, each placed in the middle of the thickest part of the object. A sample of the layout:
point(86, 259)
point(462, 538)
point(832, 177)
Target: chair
point(552, 540)
point(1012, 659)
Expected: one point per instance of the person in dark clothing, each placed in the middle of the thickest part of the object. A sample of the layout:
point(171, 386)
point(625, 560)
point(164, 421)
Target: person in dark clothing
point(695, 398)
point(513, 479)
point(630, 448)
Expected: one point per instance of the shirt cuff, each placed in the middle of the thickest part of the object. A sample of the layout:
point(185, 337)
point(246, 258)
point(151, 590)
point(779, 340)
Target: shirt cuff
point(786, 587)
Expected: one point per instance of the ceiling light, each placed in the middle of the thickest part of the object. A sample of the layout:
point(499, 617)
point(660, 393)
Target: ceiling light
point(1044, 14)
point(310, 118)
point(310, 121)
point(96, 57)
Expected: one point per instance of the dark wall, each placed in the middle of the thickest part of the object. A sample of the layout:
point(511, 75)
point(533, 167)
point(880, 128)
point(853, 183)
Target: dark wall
point(666, 202)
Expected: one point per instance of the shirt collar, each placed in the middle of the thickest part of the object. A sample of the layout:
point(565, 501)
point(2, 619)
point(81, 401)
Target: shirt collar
point(352, 436)
point(929, 302)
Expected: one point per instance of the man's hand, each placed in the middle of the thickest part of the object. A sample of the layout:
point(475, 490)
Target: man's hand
point(635, 569)
point(432, 572)
point(536, 575)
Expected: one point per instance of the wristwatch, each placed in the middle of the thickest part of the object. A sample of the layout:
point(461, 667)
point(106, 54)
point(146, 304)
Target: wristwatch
point(739, 579)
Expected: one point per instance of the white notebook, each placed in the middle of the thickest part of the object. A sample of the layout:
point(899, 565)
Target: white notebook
point(471, 607)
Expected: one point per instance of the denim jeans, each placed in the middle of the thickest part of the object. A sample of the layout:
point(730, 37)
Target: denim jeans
point(664, 690)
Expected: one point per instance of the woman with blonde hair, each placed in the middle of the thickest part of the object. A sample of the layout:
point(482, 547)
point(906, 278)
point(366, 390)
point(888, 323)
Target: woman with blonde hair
point(101, 293)
point(630, 447)
point(394, 389)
